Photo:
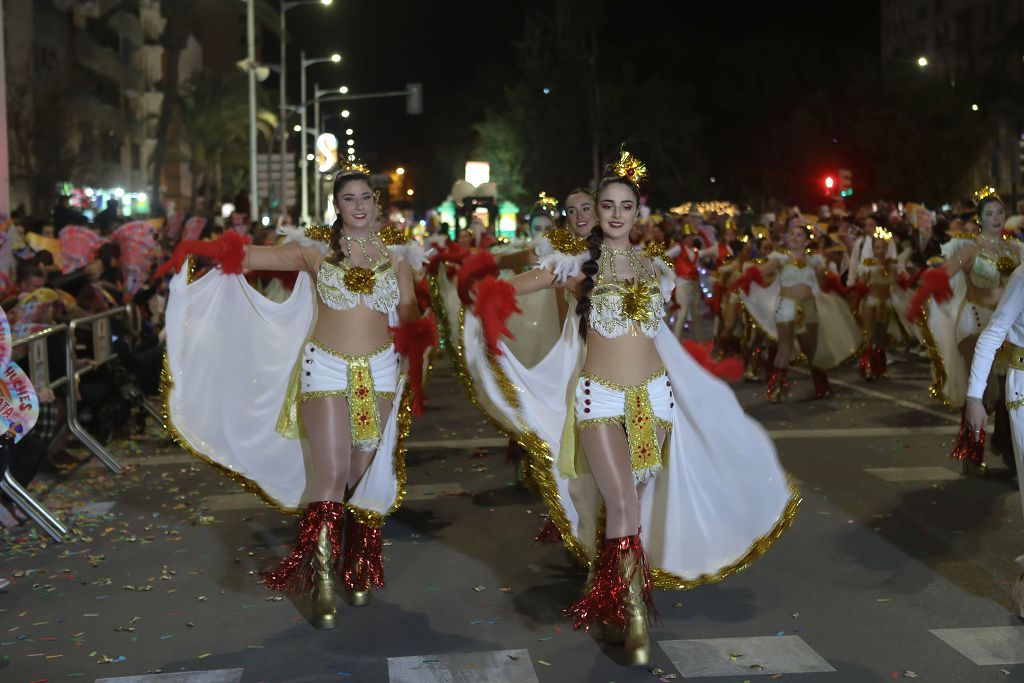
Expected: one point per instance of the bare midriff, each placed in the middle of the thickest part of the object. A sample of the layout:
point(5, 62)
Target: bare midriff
point(796, 292)
point(986, 297)
point(353, 332)
point(880, 291)
point(626, 360)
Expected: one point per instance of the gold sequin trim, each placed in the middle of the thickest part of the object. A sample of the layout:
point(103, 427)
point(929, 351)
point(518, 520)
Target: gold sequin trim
point(366, 517)
point(1013, 405)
point(391, 235)
point(567, 242)
point(654, 250)
point(343, 393)
point(620, 421)
point(359, 280)
point(657, 374)
point(938, 365)
point(540, 453)
point(669, 581)
point(319, 233)
point(348, 358)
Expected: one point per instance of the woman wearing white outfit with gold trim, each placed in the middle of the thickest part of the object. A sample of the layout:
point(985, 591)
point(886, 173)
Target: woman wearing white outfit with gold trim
point(636, 412)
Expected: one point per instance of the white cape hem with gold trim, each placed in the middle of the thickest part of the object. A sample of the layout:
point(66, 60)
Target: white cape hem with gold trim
point(231, 353)
point(722, 497)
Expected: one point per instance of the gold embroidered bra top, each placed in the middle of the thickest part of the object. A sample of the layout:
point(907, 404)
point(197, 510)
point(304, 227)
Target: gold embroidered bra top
point(344, 285)
point(620, 307)
point(992, 270)
point(877, 272)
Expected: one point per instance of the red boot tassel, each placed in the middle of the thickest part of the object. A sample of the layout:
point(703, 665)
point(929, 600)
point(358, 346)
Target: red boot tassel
point(605, 602)
point(295, 573)
point(879, 362)
point(548, 533)
point(866, 356)
point(363, 561)
point(822, 389)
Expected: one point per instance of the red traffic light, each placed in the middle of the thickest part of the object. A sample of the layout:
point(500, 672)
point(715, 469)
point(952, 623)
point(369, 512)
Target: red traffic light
point(830, 182)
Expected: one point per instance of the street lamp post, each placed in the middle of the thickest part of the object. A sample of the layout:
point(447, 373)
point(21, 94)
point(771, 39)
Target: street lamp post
point(285, 6)
point(317, 187)
point(251, 41)
point(304, 163)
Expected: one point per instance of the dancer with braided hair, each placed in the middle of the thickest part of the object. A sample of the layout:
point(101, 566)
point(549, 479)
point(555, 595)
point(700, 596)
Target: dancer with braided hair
point(619, 399)
point(329, 355)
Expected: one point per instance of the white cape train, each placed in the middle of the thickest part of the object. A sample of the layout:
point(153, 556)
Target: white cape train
point(722, 498)
point(231, 354)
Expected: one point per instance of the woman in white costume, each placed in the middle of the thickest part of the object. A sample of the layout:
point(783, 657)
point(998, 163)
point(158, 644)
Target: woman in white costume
point(795, 308)
point(880, 285)
point(1006, 324)
point(610, 410)
point(954, 302)
point(320, 367)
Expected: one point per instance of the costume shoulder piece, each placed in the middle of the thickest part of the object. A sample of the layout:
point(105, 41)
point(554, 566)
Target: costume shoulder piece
point(654, 250)
point(403, 246)
point(316, 236)
point(562, 252)
point(957, 241)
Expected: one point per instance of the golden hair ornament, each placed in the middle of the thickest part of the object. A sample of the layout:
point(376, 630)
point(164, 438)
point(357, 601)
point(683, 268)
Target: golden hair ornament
point(353, 167)
point(986, 191)
point(629, 167)
point(547, 203)
point(881, 234)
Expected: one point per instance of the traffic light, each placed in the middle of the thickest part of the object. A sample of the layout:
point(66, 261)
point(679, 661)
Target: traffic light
point(414, 98)
point(845, 182)
point(830, 182)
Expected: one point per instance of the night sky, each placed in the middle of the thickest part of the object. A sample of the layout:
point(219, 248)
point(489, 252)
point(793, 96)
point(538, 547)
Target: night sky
point(463, 54)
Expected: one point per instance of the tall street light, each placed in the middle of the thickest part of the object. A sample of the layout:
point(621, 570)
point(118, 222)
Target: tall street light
point(317, 94)
point(250, 21)
point(285, 6)
point(304, 163)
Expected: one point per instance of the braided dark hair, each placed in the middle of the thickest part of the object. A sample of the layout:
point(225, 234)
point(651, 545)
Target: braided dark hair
point(337, 255)
point(594, 240)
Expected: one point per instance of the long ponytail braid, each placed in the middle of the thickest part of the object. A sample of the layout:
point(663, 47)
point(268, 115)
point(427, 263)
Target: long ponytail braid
point(337, 255)
point(594, 241)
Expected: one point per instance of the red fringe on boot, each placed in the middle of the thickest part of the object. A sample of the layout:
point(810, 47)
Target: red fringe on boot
point(967, 447)
point(363, 561)
point(879, 362)
point(864, 367)
point(295, 573)
point(605, 602)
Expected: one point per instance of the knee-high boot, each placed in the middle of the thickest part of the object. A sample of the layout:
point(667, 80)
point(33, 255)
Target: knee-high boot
point(310, 566)
point(619, 597)
point(363, 560)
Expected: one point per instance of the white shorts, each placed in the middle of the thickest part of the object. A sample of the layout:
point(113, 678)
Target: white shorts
point(801, 312)
point(971, 321)
point(686, 291)
point(639, 409)
point(361, 379)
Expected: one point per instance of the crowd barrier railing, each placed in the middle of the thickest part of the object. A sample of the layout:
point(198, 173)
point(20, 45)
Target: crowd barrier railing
point(38, 368)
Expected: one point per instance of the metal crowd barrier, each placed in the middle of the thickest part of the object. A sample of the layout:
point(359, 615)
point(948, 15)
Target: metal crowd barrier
point(38, 369)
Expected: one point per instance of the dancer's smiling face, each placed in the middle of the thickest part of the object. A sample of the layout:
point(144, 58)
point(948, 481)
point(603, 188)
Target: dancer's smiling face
point(992, 216)
point(617, 208)
point(579, 209)
point(354, 204)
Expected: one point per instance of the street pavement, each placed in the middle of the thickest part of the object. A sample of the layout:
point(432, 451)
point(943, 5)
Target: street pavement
point(896, 567)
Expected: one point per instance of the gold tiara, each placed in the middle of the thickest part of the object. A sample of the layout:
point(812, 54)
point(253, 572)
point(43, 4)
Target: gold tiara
point(986, 191)
point(881, 233)
point(352, 167)
point(547, 202)
point(629, 167)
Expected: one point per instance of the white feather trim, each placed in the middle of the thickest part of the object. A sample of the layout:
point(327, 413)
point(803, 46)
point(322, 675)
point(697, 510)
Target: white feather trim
point(293, 233)
point(412, 253)
point(562, 265)
point(668, 278)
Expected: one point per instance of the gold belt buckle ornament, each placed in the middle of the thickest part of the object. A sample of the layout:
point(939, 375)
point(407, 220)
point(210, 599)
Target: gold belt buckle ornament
point(359, 280)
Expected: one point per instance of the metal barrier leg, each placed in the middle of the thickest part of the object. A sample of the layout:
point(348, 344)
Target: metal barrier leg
point(84, 436)
point(153, 412)
point(33, 508)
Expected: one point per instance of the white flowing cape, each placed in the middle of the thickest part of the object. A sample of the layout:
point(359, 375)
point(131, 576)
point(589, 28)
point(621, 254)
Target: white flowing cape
point(231, 353)
point(722, 498)
point(839, 335)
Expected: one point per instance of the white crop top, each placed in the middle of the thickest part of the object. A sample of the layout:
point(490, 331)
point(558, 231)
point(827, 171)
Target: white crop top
point(620, 307)
point(800, 272)
point(343, 286)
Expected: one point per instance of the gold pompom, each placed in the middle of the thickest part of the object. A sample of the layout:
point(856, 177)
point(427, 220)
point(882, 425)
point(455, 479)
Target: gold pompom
point(566, 242)
point(654, 250)
point(359, 280)
point(392, 236)
point(319, 233)
point(634, 301)
point(547, 203)
point(629, 167)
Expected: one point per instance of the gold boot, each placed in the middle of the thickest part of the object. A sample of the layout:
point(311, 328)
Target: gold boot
point(359, 598)
point(324, 610)
point(637, 639)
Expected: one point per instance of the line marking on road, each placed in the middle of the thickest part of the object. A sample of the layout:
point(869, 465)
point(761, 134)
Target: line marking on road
point(898, 474)
point(986, 646)
point(888, 397)
point(860, 432)
point(768, 655)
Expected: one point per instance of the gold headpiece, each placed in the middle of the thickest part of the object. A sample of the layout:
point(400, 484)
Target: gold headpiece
point(686, 230)
point(629, 167)
point(986, 191)
point(352, 167)
point(547, 202)
point(881, 234)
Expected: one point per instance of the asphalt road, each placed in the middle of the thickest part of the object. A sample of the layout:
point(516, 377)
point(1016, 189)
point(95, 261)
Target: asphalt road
point(895, 567)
